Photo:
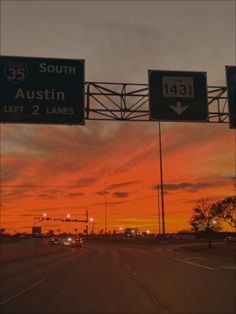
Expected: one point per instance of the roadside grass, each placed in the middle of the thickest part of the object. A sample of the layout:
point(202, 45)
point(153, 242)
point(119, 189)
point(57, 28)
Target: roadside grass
point(8, 239)
point(223, 250)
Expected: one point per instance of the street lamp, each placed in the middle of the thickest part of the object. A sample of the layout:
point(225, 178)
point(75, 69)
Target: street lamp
point(39, 218)
point(92, 221)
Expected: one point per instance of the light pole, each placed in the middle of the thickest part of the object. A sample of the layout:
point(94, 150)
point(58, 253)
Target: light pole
point(162, 188)
point(35, 217)
point(39, 218)
point(158, 209)
point(105, 207)
point(92, 221)
point(34, 232)
point(86, 223)
point(85, 220)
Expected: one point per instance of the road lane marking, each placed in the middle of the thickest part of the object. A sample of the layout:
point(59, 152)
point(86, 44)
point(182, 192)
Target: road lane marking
point(191, 258)
point(187, 262)
point(22, 292)
point(198, 265)
point(229, 267)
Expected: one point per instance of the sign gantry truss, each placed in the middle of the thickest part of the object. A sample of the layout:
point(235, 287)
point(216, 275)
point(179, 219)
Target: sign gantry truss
point(130, 102)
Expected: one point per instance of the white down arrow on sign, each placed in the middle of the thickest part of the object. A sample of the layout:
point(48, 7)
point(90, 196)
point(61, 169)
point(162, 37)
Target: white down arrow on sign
point(178, 108)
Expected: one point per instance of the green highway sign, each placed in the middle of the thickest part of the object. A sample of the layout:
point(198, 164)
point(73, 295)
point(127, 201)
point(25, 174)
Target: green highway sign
point(42, 90)
point(36, 230)
point(231, 88)
point(178, 95)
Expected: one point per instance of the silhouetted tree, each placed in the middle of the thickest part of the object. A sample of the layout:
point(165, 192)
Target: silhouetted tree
point(204, 218)
point(227, 210)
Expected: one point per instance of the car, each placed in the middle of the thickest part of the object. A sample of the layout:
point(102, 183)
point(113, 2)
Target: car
point(67, 241)
point(54, 240)
point(77, 242)
point(230, 239)
point(73, 241)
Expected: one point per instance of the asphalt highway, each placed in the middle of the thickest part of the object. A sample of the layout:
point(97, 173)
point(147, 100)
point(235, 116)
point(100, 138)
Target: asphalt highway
point(115, 278)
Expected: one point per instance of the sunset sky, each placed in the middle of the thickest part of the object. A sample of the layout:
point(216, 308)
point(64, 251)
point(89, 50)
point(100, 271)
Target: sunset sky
point(63, 169)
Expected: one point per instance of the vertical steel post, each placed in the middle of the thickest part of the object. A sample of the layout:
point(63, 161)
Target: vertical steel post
point(35, 239)
point(158, 209)
point(105, 207)
point(162, 188)
point(93, 228)
point(88, 98)
point(86, 223)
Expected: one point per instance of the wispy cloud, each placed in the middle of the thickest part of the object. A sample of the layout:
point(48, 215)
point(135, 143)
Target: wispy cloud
point(121, 194)
point(102, 192)
point(187, 186)
point(86, 181)
point(122, 184)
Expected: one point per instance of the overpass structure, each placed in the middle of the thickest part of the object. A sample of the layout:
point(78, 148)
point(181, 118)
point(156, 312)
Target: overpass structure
point(130, 102)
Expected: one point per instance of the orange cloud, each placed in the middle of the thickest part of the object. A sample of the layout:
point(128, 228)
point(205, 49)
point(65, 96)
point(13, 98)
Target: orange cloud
point(60, 169)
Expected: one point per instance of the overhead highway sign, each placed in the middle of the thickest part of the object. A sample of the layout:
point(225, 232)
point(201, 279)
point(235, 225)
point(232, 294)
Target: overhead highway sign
point(178, 95)
point(42, 90)
point(231, 89)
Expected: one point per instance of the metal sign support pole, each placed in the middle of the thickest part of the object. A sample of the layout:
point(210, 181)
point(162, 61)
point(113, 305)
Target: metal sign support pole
point(162, 188)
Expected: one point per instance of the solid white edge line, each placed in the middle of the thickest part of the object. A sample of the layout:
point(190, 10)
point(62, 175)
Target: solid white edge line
point(199, 265)
point(187, 262)
point(229, 267)
point(22, 292)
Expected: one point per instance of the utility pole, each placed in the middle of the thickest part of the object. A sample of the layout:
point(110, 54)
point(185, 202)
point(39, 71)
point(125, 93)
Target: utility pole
point(105, 207)
point(158, 209)
point(35, 239)
point(162, 188)
point(86, 219)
